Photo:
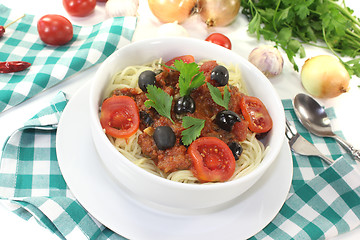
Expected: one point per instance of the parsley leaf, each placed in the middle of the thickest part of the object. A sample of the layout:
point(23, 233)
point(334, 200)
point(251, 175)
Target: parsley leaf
point(159, 100)
point(190, 76)
point(193, 129)
point(217, 96)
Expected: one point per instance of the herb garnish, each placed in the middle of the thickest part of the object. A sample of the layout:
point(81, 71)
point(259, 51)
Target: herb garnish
point(190, 76)
point(159, 100)
point(193, 129)
point(291, 23)
point(217, 96)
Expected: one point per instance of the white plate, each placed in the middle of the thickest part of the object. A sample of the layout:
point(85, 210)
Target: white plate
point(117, 209)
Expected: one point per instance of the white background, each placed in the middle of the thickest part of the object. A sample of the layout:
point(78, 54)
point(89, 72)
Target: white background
point(287, 85)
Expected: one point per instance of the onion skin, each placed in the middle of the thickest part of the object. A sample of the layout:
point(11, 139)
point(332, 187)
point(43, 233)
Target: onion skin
point(218, 13)
point(324, 76)
point(168, 11)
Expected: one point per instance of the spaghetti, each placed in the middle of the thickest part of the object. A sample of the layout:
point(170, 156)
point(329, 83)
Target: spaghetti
point(253, 150)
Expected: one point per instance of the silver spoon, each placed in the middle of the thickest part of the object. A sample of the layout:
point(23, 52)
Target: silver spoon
point(314, 118)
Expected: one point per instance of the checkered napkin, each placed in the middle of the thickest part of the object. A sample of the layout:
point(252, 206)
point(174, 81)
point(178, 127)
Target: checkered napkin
point(32, 186)
point(50, 65)
point(324, 201)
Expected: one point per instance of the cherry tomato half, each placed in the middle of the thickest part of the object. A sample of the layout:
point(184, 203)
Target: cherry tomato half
point(55, 29)
point(219, 39)
point(185, 59)
point(212, 160)
point(79, 8)
point(119, 116)
point(256, 114)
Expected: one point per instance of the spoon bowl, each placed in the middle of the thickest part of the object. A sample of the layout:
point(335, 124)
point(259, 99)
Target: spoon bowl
point(314, 118)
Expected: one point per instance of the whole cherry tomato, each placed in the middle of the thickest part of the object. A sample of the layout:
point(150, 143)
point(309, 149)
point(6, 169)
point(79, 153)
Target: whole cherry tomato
point(219, 39)
point(120, 116)
point(55, 29)
point(212, 160)
point(79, 8)
point(256, 114)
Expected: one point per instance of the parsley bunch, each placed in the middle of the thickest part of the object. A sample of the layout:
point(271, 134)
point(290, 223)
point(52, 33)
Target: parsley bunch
point(292, 23)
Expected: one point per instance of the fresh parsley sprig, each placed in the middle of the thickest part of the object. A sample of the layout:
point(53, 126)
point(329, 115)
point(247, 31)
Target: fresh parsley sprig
point(218, 97)
point(190, 77)
point(159, 100)
point(193, 129)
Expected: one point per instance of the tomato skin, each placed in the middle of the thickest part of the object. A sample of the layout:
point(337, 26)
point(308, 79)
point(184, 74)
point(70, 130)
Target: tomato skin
point(212, 160)
point(79, 8)
point(256, 114)
point(184, 58)
point(119, 116)
point(219, 39)
point(55, 29)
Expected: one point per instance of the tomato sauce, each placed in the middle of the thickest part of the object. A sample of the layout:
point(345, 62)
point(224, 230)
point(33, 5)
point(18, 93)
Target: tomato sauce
point(176, 158)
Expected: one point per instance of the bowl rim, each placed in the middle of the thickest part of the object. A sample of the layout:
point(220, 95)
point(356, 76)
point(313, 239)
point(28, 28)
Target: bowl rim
point(256, 173)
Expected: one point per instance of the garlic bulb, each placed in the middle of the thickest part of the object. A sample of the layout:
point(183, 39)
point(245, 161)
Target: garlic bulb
point(267, 59)
point(172, 29)
point(120, 8)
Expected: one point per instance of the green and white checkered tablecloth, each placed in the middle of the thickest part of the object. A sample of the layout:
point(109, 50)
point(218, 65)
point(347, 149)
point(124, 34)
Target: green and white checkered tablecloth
point(324, 201)
point(50, 65)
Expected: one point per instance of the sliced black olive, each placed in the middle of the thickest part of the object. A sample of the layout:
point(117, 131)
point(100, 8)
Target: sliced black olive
point(164, 137)
point(146, 78)
point(184, 104)
point(226, 119)
point(220, 74)
point(236, 149)
point(146, 118)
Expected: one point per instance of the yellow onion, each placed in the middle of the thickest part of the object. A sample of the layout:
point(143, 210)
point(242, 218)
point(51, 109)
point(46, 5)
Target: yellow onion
point(218, 12)
point(324, 76)
point(169, 11)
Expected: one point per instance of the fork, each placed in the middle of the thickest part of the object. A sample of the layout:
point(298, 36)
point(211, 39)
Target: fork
point(300, 145)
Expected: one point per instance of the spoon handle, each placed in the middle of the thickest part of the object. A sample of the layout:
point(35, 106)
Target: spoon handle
point(354, 152)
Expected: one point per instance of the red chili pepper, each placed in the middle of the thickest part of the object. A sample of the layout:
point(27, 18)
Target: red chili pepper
point(13, 66)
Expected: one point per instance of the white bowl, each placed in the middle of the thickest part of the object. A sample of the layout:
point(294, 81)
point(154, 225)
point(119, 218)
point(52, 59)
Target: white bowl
point(159, 190)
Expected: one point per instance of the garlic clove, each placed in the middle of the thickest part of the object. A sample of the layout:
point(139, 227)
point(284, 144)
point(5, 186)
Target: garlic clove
point(121, 8)
point(172, 29)
point(267, 59)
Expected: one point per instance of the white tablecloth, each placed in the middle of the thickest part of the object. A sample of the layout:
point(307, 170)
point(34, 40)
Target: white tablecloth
point(288, 84)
